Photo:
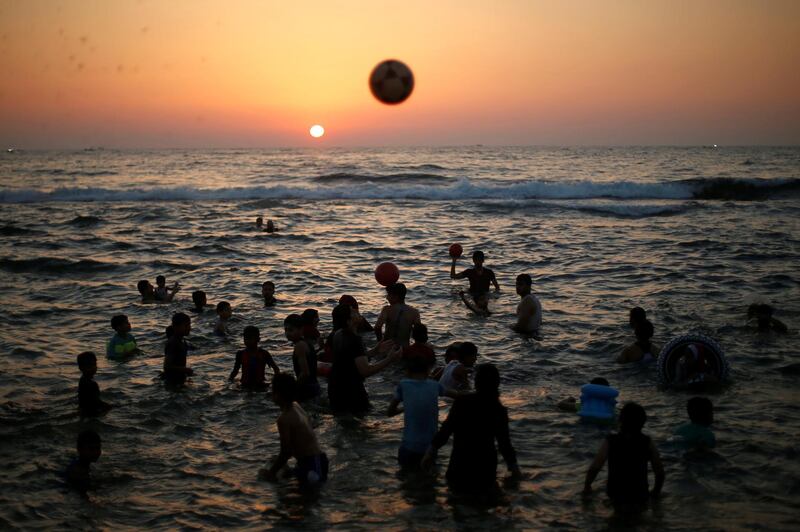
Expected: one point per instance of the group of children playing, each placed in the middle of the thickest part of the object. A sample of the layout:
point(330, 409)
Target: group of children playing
point(477, 420)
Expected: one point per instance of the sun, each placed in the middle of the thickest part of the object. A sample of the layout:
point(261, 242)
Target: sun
point(317, 131)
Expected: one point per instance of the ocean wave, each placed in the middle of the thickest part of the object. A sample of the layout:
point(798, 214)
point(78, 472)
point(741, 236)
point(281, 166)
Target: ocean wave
point(56, 266)
point(407, 177)
point(463, 189)
point(73, 173)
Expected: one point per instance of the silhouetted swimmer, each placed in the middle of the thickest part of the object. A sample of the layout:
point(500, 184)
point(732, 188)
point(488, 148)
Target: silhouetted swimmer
point(311, 332)
point(455, 375)
point(697, 434)
point(628, 454)
point(260, 222)
point(146, 290)
point(297, 437)
point(78, 473)
point(200, 301)
point(271, 226)
point(476, 421)
point(89, 401)
point(224, 313)
point(363, 324)
point(480, 278)
point(636, 316)
point(351, 365)
point(176, 349)
point(304, 358)
point(529, 310)
point(122, 344)
point(397, 316)
point(420, 348)
point(642, 350)
point(268, 293)
point(164, 293)
point(761, 313)
point(253, 361)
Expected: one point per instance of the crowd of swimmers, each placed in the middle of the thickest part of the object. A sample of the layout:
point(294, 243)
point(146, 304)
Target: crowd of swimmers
point(477, 419)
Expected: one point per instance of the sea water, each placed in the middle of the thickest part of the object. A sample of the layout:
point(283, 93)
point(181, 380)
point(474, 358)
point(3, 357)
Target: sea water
point(693, 235)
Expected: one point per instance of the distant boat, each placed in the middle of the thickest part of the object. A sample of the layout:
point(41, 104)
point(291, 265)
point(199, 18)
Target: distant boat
point(11, 150)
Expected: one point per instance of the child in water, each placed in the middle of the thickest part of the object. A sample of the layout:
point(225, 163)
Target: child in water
point(697, 434)
point(570, 404)
point(628, 453)
point(78, 472)
point(420, 397)
point(176, 349)
point(455, 375)
point(163, 293)
point(122, 344)
point(304, 358)
point(420, 348)
point(762, 314)
point(224, 313)
point(310, 328)
point(253, 361)
point(642, 350)
point(199, 300)
point(89, 400)
point(297, 437)
point(450, 354)
point(268, 293)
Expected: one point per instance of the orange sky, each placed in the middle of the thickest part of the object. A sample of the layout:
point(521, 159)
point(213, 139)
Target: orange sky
point(194, 73)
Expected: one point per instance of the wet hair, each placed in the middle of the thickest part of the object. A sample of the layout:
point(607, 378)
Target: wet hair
point(86, 358)
point(487, 381)
point(118, 320)
point(267, 283)
point(160, 279)
point(284, 386)
point(222, 305)
point(309, 316)
point(142, 285)
point(340, 316)
point(87, 438)
point(700, 410)
point(637, 314)
point(632, 418)
point(350, 301)
point(525, 279)
point(417, 364)
point(198, 296)
point(179, 318)
point(478, 255)
point(250, 331)
point(466, 350)
point(419, 333)
point(599, 380)
point(451, 353)
point(397, 289)
point(294, 321)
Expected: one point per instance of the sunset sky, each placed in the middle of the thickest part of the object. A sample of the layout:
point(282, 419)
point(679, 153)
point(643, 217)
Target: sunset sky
point(259, 73)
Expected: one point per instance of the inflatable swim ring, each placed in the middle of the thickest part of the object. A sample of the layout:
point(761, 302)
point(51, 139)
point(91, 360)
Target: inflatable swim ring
point(598, 401)
point(692, 359)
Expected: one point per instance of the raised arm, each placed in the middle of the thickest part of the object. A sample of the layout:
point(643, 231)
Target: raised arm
point(453, 274)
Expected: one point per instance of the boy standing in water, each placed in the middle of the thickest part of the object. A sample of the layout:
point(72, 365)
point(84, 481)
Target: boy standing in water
point(304, 358)
point(162, 292)
point(420, 397)
point(529, 310)
point(297, 437)
point(199, 300)
point(628, 454)
point(698, 434)
point(122, 344)
point(253, 360)
point(479, 277)
point(89, 451)
point(397, 316)
point(175, 370)
point(89, 400)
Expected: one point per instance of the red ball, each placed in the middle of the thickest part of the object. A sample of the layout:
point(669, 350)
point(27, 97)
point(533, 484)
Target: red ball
point(456, 250)
point(386, 273)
